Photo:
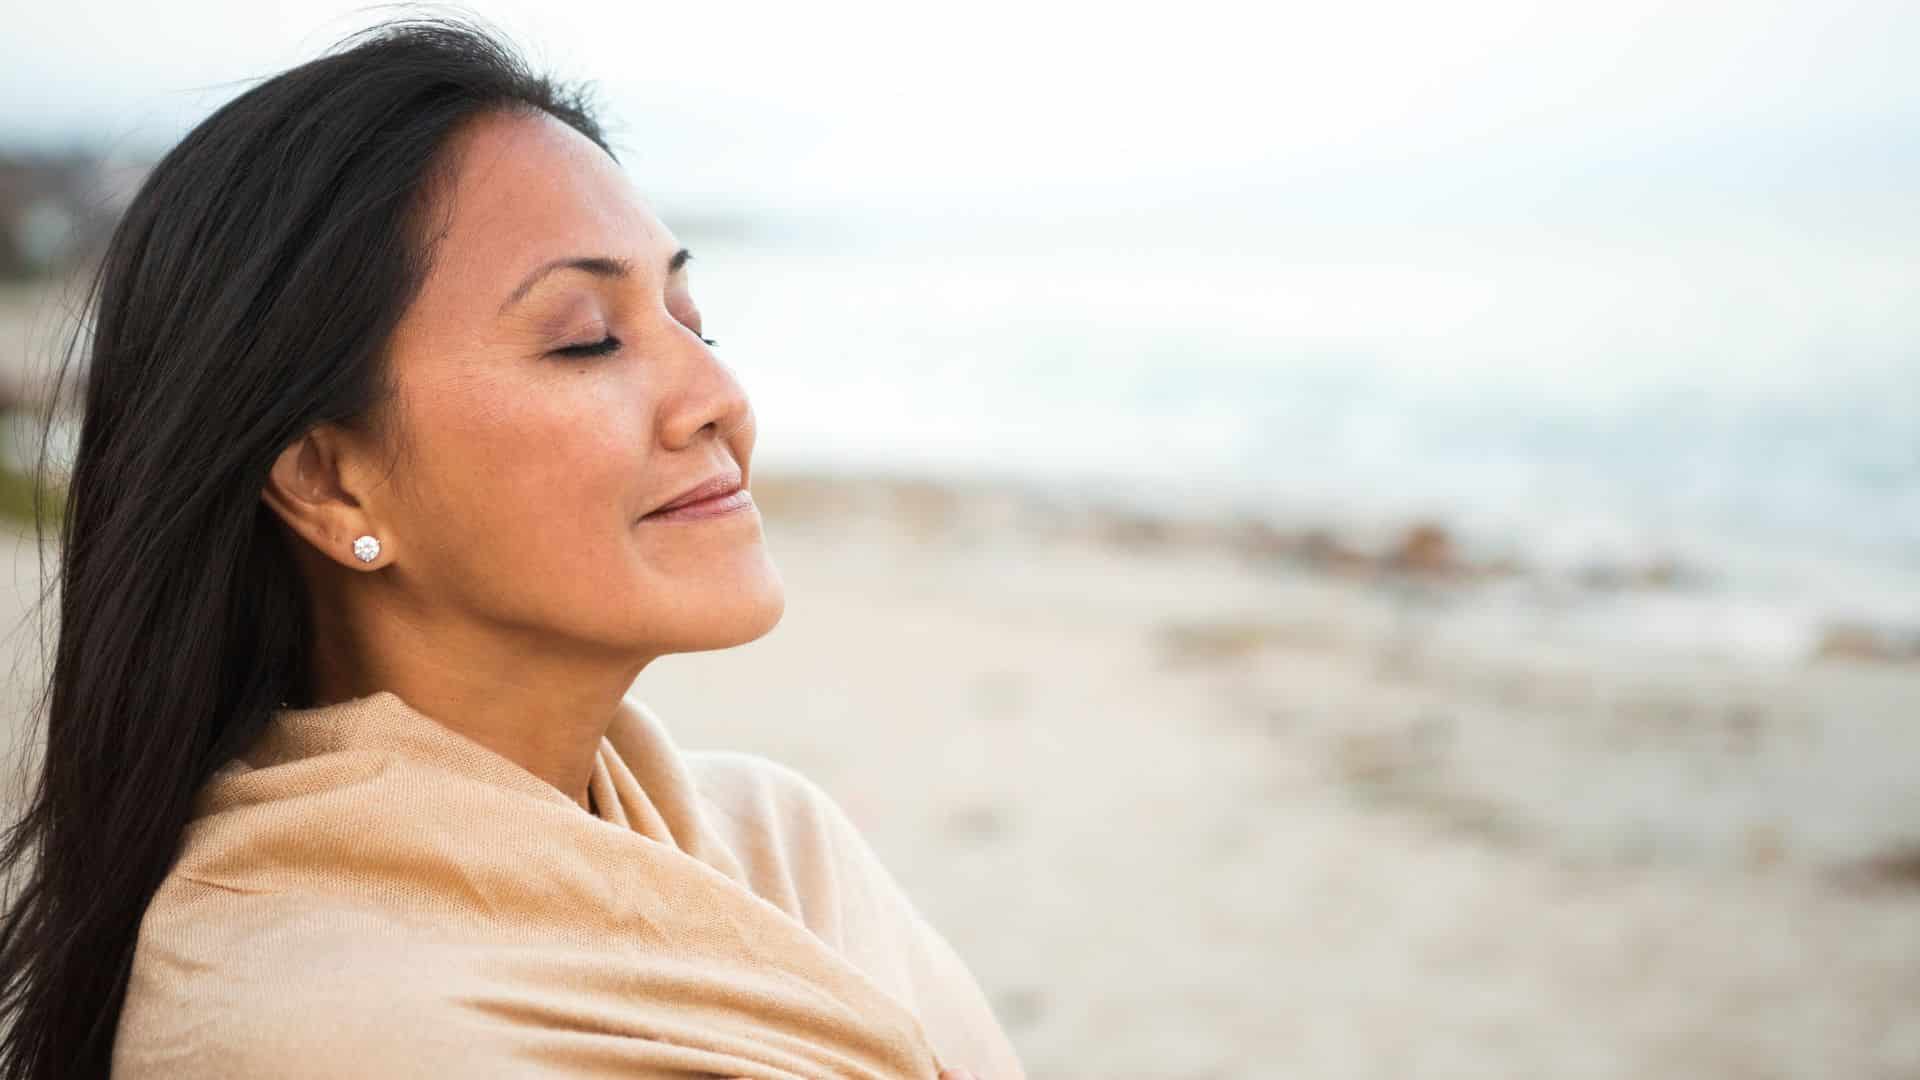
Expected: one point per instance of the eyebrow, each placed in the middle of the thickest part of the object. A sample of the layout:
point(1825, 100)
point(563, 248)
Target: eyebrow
point(603, 266)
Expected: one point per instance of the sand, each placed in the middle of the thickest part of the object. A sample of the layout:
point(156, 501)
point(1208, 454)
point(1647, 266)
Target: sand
point(1190, 814)
point(1193, 809)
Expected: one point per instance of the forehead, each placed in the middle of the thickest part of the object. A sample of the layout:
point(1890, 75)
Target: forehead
point(525, 189)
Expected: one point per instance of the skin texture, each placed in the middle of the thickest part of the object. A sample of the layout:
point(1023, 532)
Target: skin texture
point(517, 595)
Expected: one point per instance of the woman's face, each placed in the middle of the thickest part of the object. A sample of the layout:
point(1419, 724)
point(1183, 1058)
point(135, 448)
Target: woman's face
point(555, 391)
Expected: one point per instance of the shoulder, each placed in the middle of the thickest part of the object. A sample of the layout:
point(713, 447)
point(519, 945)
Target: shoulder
point(229, 983)
point(752, 787)
point(805, 853)
point(771, 811)
point(796, 844)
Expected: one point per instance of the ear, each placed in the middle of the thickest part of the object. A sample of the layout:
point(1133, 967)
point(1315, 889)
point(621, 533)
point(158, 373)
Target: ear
point(311, 486)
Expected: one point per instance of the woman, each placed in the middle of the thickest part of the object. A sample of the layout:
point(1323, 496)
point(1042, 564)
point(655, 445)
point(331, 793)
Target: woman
point(403, 455)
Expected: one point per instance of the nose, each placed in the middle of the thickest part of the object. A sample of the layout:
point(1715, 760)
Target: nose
point(707, 401)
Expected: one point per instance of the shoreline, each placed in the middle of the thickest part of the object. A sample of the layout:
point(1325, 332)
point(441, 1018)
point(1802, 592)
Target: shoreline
point(1414, 553)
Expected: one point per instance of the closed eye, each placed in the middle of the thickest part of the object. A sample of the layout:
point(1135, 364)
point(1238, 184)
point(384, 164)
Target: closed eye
point(606, 345)
point(597, 348)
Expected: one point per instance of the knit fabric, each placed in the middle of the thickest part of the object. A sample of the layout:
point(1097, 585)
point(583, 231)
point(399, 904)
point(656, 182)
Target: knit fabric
point(368, 893)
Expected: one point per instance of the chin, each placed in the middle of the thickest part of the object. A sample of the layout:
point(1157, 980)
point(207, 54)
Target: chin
point(752, 609)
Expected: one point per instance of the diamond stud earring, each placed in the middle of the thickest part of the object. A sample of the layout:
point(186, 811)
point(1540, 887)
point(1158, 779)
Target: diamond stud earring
point(366, 549)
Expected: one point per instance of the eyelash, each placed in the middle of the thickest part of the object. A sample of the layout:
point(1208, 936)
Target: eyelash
point(606, 345)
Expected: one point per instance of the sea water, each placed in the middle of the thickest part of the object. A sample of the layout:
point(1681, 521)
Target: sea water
point(1742, 403)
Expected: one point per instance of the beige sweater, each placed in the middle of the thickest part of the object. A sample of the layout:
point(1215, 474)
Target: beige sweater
point(368, 893)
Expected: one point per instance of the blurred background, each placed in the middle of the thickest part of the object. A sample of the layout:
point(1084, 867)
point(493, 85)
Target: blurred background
point(1333, 540)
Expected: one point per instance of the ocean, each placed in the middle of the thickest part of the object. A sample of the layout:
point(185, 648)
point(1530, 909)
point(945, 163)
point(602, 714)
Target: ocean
point(1738, 400)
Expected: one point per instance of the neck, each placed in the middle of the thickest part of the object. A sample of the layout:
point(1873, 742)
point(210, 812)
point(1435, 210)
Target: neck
point(536, 705)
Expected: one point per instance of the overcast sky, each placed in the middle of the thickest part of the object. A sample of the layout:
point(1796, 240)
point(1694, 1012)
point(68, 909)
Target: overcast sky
point(1483, 103)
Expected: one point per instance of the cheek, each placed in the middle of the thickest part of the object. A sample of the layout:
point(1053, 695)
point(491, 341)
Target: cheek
point(540, 481)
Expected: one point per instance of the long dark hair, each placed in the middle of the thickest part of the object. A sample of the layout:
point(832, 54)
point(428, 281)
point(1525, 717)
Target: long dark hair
point(247, 293)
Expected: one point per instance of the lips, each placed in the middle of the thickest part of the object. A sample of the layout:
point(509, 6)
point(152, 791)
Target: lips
point(713, 487)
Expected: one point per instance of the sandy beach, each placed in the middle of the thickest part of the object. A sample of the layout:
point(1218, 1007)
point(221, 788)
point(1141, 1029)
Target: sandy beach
point(1190, 811)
